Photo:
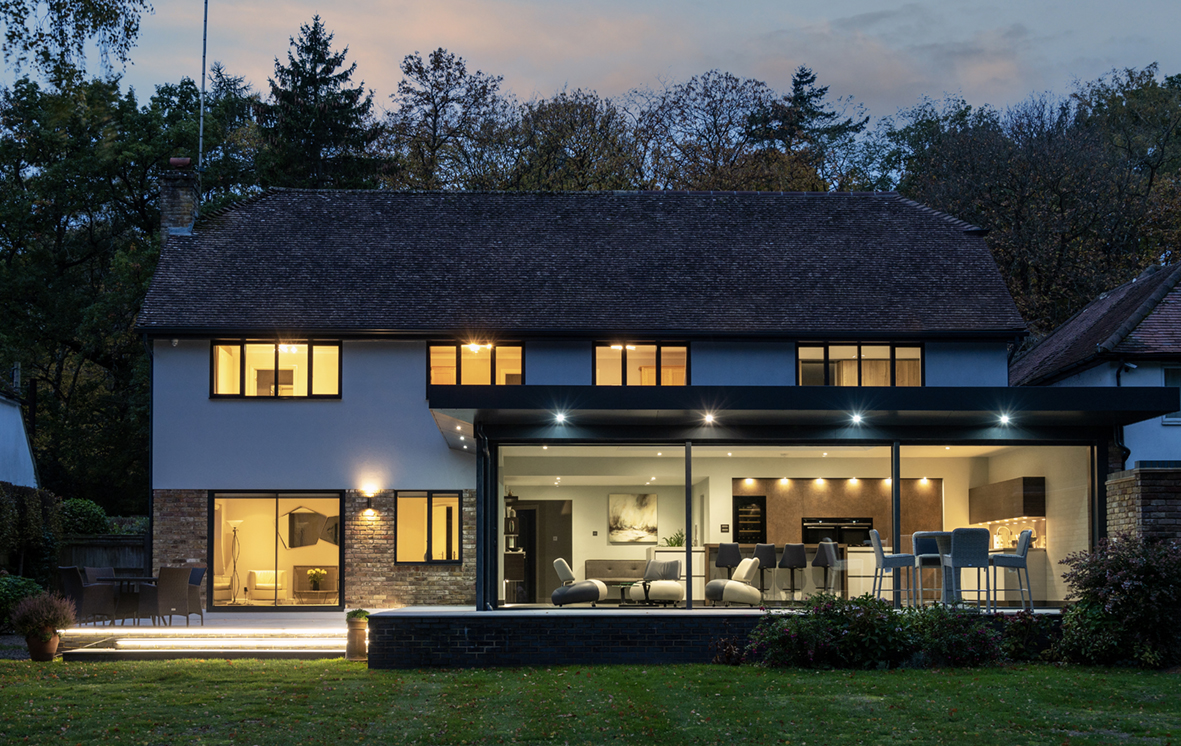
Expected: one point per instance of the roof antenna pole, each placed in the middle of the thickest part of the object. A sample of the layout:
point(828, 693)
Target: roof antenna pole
point(201, 126)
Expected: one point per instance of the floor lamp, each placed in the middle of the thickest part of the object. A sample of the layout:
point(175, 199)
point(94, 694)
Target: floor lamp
point(235, 550)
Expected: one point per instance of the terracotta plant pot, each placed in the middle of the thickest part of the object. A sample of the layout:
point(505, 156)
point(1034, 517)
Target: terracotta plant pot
point(356, 646)
point(42, 651)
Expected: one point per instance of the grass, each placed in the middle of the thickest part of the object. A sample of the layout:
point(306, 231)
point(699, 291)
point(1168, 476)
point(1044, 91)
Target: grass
point(313, 702)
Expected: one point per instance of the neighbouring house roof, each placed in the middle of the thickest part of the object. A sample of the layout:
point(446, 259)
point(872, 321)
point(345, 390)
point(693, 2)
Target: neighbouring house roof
point(698, 263)
point(1138, 319)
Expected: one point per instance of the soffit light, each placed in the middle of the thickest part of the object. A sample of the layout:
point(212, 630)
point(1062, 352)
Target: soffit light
point(709, 418)
point(560, 417)
point(856, 419)
point(1005, 419)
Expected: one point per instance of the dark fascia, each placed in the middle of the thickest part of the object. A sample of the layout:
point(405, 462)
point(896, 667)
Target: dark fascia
point(814, 406)
point(994, 335)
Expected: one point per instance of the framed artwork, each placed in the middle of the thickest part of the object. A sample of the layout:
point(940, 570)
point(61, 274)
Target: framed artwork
point(631, 519)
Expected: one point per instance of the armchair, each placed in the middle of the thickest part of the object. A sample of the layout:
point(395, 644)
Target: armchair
point(738, 589)
point(661, 584)
point(267, 585)
point(572, 591)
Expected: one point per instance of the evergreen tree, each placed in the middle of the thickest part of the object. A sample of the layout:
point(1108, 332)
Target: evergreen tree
point(317, 130)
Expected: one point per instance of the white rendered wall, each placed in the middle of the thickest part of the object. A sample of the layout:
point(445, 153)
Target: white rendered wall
point(558, 363)
point(1154, 439)
point(967, 364)
point(16, 461)
point(742, 364)
point(380, 433)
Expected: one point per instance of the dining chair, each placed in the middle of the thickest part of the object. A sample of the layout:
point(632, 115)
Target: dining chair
point(196, 575)
point(969, 549)
point(168, 597)
point(91, 600)
point(1017, 561)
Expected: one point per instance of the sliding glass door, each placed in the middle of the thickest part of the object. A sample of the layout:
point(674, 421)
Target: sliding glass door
point(278, 550)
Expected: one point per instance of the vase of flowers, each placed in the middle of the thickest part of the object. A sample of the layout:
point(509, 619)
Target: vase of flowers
point(38, 618)
point(316, 576)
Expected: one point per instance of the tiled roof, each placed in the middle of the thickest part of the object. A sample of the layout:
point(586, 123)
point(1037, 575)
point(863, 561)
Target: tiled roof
point(670, 262)
point(1138, 318)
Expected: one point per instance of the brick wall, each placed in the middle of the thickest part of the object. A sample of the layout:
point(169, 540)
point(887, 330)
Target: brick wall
point(373, 580)
point(1146, 502)
point(178, 200)
point(180, 522)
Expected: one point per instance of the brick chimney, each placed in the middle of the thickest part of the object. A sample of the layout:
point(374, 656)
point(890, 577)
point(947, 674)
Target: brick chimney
point(179, 190)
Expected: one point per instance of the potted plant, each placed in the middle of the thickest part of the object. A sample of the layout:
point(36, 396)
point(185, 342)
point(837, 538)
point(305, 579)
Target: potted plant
point(316, 576)
point(357, 644)
point(38, 618)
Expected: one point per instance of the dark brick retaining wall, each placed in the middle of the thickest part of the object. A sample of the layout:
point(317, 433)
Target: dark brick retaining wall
point(570, 637)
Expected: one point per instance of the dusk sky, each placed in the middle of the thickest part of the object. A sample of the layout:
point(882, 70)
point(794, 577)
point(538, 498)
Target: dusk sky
point(886, 55)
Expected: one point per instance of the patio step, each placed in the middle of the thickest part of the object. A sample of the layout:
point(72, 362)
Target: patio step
point(112, 644)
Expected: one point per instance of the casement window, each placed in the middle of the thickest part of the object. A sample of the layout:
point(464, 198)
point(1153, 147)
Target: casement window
point(286, 369)
point(852, 364)
point(641, 364)
point(476, 364)
point(428, 527)
point(1173, 378)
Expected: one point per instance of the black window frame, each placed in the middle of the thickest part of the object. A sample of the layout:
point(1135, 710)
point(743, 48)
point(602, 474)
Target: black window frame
point(893, 360)
point(430, 494)
point(311, 342)
point(459, 361)
point(1173, 418)
point(660, 345)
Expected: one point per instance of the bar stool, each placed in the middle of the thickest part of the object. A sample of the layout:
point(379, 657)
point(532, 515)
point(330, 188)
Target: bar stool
point(885, 562)
point(795, 557)
point(765, 554)
point(926, 554)
point(969, 548)
point(1018, 561)
point(827, 556)
point(728, 557)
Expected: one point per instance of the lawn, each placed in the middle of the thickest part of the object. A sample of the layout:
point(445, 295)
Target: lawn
point(305, 703)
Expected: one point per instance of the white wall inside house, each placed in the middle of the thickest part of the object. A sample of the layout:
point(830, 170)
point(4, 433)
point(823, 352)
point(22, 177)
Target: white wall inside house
point(380, 433)
point(16, 460)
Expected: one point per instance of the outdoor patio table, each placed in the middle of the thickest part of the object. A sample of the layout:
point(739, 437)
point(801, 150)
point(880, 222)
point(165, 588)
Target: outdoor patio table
point(951, 591)
point(128, 594)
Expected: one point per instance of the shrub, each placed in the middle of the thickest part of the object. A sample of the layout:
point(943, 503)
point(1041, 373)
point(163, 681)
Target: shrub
point(13, 588)
point(127, 525)
point(83, 517)
point(1027, 636)
point(30, 531)
point(833, 632)
point(1128, 593)
point(42, 615)
point(955, 636)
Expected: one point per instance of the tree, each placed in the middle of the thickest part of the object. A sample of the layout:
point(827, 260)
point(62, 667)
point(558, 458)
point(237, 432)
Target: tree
point(803, 128)
point(78, 224)
point(52, 34)
point(572, 142)
point(446, 119)
point(317, 131)
point(700, 135)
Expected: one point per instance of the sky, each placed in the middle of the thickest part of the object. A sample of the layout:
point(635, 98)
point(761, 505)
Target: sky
point(885, 55)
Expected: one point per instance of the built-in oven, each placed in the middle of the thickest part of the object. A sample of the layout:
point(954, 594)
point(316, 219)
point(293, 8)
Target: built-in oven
point(851, 531)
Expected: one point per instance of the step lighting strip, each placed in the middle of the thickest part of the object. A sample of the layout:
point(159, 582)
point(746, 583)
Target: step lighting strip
point(251, 643)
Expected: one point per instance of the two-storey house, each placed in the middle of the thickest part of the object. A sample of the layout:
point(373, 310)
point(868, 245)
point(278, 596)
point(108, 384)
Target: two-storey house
point(389, 399)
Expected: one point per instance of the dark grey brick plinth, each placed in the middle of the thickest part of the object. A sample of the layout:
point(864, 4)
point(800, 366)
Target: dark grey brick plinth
point(473, 639)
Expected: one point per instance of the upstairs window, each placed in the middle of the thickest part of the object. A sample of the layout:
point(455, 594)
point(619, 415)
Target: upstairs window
point(641, 364)
point(852, 364)
point(265, 369)
point(476, 364)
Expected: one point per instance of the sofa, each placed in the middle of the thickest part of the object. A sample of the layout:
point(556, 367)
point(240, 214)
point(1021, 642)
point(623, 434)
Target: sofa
point(615, 572)
point(266, 585)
